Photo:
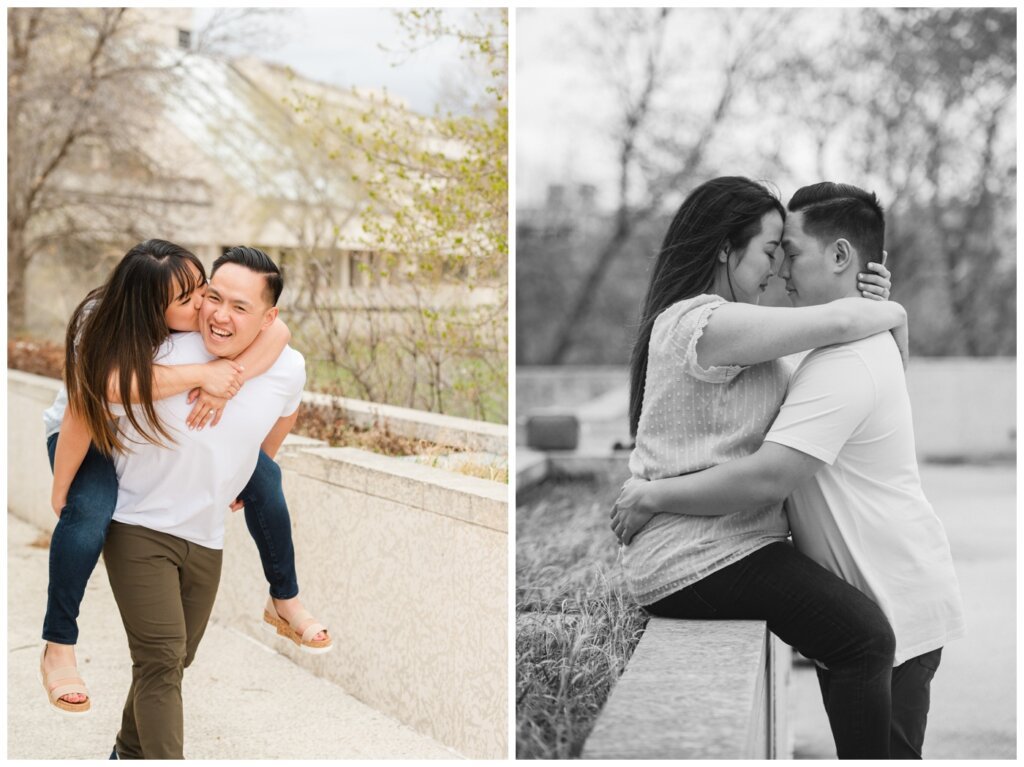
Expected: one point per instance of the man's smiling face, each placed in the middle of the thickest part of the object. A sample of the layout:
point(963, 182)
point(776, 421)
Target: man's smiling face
point(235, 310)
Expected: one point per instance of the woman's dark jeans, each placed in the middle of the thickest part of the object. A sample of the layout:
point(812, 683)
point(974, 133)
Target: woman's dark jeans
point(823, 617)
point(78, 538)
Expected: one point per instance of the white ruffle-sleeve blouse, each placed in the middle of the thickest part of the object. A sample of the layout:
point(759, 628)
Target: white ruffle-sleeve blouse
point(693, 418)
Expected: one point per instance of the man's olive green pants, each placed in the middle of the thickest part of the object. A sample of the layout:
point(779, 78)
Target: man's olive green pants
point(165, 588)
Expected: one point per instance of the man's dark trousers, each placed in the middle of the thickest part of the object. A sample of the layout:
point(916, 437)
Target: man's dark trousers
point(911, 697)
point(165, 588)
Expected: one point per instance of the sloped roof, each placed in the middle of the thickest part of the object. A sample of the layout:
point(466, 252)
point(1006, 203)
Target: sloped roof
point(249, 133)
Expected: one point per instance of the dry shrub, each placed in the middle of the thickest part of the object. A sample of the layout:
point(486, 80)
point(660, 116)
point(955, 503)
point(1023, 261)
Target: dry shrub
point(483, 471)
point(41, 541)
point(331, 425)
point(44, 358)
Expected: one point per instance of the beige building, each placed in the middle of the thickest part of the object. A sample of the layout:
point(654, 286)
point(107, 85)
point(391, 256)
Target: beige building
point(234, 161)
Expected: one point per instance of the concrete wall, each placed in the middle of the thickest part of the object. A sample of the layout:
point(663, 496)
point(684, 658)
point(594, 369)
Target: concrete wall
point(964, 408)
point(538, 388)
point(28, 468)
point(406, 564)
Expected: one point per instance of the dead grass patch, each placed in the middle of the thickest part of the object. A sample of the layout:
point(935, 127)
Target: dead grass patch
point(576, 626)
point(331, 425)
point(44, 358)
point(42, 541)
point(493, 473)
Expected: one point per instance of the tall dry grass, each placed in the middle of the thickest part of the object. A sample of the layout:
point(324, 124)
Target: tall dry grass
point(576, 626)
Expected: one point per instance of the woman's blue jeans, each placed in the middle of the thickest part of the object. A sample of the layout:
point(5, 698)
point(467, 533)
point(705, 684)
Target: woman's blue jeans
point(78, 538)
point(823, 617)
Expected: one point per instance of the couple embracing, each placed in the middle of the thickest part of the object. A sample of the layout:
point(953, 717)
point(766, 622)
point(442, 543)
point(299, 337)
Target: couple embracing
point(178, 393)
point(741, 442)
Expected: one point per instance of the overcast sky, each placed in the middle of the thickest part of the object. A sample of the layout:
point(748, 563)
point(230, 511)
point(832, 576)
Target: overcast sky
point(567, 110)
point(342, 46)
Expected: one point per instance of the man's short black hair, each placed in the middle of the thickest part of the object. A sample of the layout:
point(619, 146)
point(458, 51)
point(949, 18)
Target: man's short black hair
point(831, 211)
point(258, 261)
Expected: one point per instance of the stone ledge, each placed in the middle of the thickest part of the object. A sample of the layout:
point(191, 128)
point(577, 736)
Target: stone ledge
point(469, 499)
point(298, 441)
point(531, 468)
point(694, 690)
point(579, 463)
point(42, 388)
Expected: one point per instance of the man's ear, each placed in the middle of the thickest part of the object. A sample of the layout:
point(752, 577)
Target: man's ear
point(844, 255)
point(269, 317)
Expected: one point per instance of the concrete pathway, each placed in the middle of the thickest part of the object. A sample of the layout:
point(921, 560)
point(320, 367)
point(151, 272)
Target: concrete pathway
point(974, 694)
point(242, 699)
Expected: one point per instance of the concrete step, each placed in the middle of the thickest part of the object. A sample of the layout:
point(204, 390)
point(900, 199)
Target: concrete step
point(242, 699)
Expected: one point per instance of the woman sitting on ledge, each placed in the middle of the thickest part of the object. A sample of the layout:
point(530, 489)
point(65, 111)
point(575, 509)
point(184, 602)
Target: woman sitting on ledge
point(707, 380)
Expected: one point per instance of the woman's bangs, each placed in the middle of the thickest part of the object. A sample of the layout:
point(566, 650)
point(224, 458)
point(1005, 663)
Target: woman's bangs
point(185, 280)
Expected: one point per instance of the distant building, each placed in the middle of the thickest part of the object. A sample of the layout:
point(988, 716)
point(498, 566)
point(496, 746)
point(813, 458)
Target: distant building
point(569, 213)
point(246, 172)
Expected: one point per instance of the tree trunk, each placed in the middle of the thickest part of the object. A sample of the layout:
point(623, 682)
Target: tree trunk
point(17, 268)
point(585, 296)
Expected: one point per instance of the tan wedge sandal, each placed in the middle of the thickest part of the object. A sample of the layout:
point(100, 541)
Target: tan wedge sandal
point(304, 638)
point(64, 681)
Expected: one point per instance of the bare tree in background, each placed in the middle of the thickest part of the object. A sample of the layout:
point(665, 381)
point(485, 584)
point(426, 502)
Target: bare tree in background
point(656, 156)
point(918, 105)
point(84, 89)
point(921, 104)
point(941, 135)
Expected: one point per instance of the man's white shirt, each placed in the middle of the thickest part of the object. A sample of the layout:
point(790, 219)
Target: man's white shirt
point(184, 489)
point(864, 515)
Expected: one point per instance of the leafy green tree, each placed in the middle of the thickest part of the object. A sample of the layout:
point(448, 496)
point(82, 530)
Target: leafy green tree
point(434, 221)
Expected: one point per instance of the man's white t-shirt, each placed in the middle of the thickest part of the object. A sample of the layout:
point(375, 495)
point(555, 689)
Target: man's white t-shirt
point(864, 515)
point(184, 489)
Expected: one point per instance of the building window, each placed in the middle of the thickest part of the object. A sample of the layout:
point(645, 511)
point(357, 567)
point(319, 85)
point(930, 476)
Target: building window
point(364, 269)
point(184, 39)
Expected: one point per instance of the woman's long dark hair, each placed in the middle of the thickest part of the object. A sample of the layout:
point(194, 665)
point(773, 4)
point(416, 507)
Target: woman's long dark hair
point(118, 327)
point(721, 213)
